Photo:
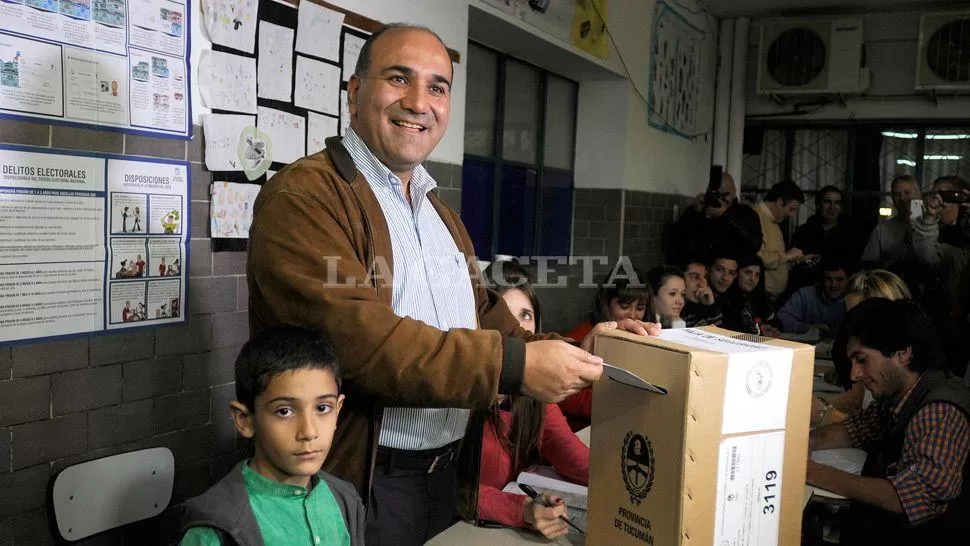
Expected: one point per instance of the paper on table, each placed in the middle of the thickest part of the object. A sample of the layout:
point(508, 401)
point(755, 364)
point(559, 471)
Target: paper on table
point(352, 45)
point(317, 86)
point(319, 127)
point(628, 378)
point(275, 67)
point(318, 31)
point(545, 479)
point(575, 496)
point(344, 113)
point(227, 82)
point(231, 23)
point(269, 174)
point(287, 132)
point(222, 133)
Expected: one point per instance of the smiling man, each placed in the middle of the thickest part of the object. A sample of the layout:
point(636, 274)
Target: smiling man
point(353, 241)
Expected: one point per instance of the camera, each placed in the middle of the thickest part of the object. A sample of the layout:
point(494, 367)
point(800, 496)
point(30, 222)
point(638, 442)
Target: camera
point(957, 197)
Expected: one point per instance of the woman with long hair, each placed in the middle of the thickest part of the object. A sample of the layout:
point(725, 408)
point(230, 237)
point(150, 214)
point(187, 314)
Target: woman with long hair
point(668, 287)
point(520, 432)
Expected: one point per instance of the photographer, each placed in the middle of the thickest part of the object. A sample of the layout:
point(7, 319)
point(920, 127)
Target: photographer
point(941, 241)
point(715, 221)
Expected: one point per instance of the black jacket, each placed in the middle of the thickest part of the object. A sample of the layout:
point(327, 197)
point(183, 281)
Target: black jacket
point(696, 237)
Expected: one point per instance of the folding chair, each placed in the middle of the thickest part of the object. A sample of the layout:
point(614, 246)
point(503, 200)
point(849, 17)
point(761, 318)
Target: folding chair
point(96, 496)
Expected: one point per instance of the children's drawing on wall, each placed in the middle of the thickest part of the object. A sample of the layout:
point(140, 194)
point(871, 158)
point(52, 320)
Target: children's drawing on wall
point(231, 23)
point(255, 152)
point(676, 69)
point(128, 212)
point(231, 211)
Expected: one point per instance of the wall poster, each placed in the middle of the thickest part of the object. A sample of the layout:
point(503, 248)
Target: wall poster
point(90, 242)
point(119, 64)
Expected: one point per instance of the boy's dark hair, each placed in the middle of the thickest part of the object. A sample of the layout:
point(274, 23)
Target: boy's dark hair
point(364, 58)
point(820, 194)
point(277, 350)
point(787, 190)
point(889, 326)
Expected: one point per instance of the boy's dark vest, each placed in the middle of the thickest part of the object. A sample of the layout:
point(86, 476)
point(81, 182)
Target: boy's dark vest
point(869, 525)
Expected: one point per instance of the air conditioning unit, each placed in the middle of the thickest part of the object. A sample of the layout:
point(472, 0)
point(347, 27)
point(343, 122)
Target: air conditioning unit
point(812, 57)
point(944, 52)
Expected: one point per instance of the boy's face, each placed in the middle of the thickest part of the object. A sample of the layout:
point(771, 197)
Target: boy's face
point(292, 424)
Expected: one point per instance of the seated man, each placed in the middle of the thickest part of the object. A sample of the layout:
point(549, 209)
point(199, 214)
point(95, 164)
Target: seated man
point(287, 401)
point(821, 305)
point(700, 308)
point(915, 485)
point(723, 272)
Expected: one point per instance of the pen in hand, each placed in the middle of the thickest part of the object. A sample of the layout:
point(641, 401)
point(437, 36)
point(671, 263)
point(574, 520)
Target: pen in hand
point(534, 495)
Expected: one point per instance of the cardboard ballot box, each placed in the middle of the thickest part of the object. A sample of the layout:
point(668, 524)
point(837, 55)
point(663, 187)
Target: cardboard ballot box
point(717, 460)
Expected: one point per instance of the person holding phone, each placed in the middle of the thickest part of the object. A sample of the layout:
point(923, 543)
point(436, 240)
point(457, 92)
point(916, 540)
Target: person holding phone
point(886, 247)
point(941, 242)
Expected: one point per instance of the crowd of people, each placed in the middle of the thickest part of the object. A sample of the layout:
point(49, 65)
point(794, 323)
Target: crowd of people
point(387, 391)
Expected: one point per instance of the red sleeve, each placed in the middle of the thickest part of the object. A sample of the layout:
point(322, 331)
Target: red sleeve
point(561, 447)
point(495, 472)
point(581, 331)
point(578, 408)
point(501, 507)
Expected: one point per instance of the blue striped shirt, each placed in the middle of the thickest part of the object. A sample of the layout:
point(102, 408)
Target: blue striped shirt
point(430, 284)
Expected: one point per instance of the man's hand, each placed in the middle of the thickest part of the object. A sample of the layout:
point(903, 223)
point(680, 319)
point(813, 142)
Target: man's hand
point(705, 295)
point(932, 207)
point(768, 330)
point(716, 212)
point(627, 324)
point(699, 202)
point(555, 370)
point(794, 255)
point(545, 519)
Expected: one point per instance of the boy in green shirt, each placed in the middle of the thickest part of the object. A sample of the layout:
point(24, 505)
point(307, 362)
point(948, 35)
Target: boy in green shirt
point(287, 402)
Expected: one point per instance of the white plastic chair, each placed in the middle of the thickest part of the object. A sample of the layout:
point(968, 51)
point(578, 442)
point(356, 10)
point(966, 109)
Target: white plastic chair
point(103, 494)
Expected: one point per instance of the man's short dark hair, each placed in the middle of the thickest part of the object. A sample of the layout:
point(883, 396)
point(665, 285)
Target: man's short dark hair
point(957, 181)
point(903, 179)
point(787, 190)
point(277, 350)
point(820, 194)
point(364, 59)
point(833, 263)
point(889, 326)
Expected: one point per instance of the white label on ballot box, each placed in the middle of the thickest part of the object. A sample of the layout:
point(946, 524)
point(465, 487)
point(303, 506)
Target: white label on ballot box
point(756, 391)
point(758, 377)
point(749, 490)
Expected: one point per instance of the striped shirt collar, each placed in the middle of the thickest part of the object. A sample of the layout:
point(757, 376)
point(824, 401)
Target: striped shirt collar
point(377, 173)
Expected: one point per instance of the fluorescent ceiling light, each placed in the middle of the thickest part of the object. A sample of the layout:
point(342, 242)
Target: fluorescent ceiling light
point(909, 162)
point(943, 157)
point(899, 135)
point(946, 137)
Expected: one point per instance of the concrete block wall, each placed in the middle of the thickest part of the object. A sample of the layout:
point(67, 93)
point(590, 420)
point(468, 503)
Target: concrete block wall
point(64, 402)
